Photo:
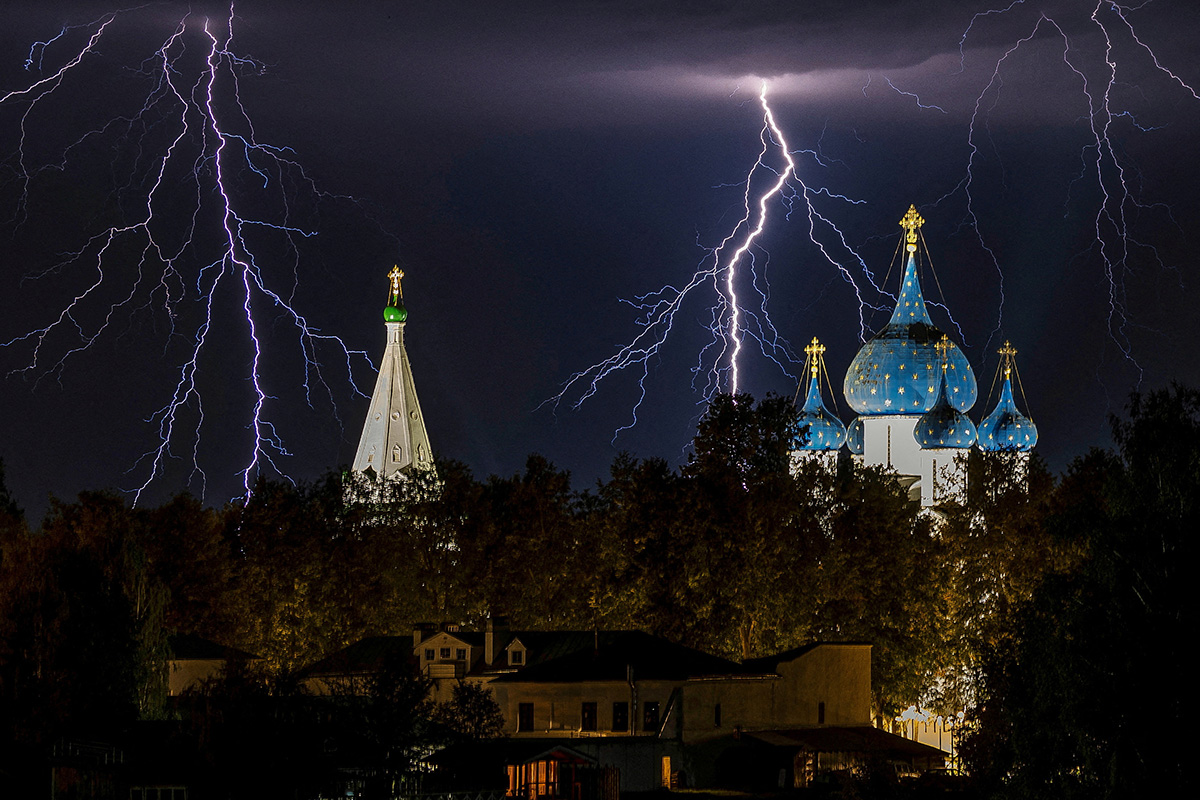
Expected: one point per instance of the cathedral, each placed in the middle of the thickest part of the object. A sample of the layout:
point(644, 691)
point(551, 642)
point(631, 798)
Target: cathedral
point(911, 387)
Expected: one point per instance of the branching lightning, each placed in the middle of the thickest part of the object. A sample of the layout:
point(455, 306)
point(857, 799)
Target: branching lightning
point(739, 311)
point(731, 270)
point(192, 146)
point(1102, 161)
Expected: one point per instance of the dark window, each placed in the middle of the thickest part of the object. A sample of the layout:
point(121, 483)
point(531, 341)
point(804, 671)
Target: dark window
point(620, 721)
point(429, 654)
point(525, 716)
point(821, 713)
point(717, 715)
point(650, 716)
point(517, 656)
point(587, 717)
point(460, 654)
point(444, 652)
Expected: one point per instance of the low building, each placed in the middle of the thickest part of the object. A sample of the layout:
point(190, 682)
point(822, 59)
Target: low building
point(661, 713)
point(193, 660)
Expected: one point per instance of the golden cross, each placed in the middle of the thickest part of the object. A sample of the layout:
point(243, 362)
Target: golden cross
point(395, 275)
point(814, 352)
point(1007, 357)
point(911, 222)
point(943, 347)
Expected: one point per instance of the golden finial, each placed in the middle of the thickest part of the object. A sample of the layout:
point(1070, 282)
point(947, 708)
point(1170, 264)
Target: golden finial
point(943, 347)
point(814, 351)
point(397, 294)
point(1007, 356)
point(911, 222)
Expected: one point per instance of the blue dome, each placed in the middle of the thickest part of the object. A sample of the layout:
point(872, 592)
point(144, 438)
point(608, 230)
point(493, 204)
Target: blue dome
point(1006, 428)
point(825, 431)
point(944, 425)
point(854, 437)
point(898, 371)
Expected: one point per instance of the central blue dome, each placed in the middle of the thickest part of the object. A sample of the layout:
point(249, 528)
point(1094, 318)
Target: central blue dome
point(898, 371)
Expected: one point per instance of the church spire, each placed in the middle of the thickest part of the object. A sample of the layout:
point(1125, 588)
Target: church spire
point(393, 437)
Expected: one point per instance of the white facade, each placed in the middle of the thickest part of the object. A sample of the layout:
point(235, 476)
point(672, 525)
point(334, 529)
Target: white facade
point(393, 436)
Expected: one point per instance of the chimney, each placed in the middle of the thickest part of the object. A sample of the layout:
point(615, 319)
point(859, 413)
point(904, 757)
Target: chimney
point(421, 632)
point(495, 636)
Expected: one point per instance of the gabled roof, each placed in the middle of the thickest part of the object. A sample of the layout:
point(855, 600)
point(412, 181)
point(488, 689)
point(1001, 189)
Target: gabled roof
point(364, 656)
point(771, 663)
point(190, 647)
point(569, 656)
point(856, 739)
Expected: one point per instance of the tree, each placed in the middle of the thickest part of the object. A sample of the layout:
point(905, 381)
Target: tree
point(1098, 651)
point(471, 714)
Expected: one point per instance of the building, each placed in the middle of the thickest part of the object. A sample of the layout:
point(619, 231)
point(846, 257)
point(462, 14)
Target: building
point(194, 661)
point(394, 439)
point(911, 387)
point(658, 713)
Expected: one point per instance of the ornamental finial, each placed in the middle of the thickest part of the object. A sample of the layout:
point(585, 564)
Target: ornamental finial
point(911, 222)
point(943, 347)
point(397, 297)
point(815, 353)
point(1007, 358)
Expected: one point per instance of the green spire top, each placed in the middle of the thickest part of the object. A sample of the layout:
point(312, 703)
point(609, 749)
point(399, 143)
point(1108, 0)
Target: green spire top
point(395, 311)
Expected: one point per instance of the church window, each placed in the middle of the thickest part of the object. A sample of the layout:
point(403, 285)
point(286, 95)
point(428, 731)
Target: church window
point(395, 415)
point(396, 454)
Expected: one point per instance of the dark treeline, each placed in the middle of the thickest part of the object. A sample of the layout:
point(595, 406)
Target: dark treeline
point(1053, 608)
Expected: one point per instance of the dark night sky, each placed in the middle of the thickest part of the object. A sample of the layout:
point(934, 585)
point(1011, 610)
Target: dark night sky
point(531, 164)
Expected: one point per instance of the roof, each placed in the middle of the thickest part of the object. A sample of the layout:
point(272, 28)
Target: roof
point(568, 656)
point(897, 371)
point(822, 430)
point(857, 739)
point(1006, 428)
point(510, 751)
point(364, 656)
point(190, 647)
point(771, 663)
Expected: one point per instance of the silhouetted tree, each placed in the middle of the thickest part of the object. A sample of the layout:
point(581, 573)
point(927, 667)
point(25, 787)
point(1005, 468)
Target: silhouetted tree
point(1078, 698)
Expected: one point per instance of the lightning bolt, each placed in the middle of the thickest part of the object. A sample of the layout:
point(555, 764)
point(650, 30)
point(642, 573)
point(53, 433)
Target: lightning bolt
point(1103, 163)
point(730, 269)
point(191, 145)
